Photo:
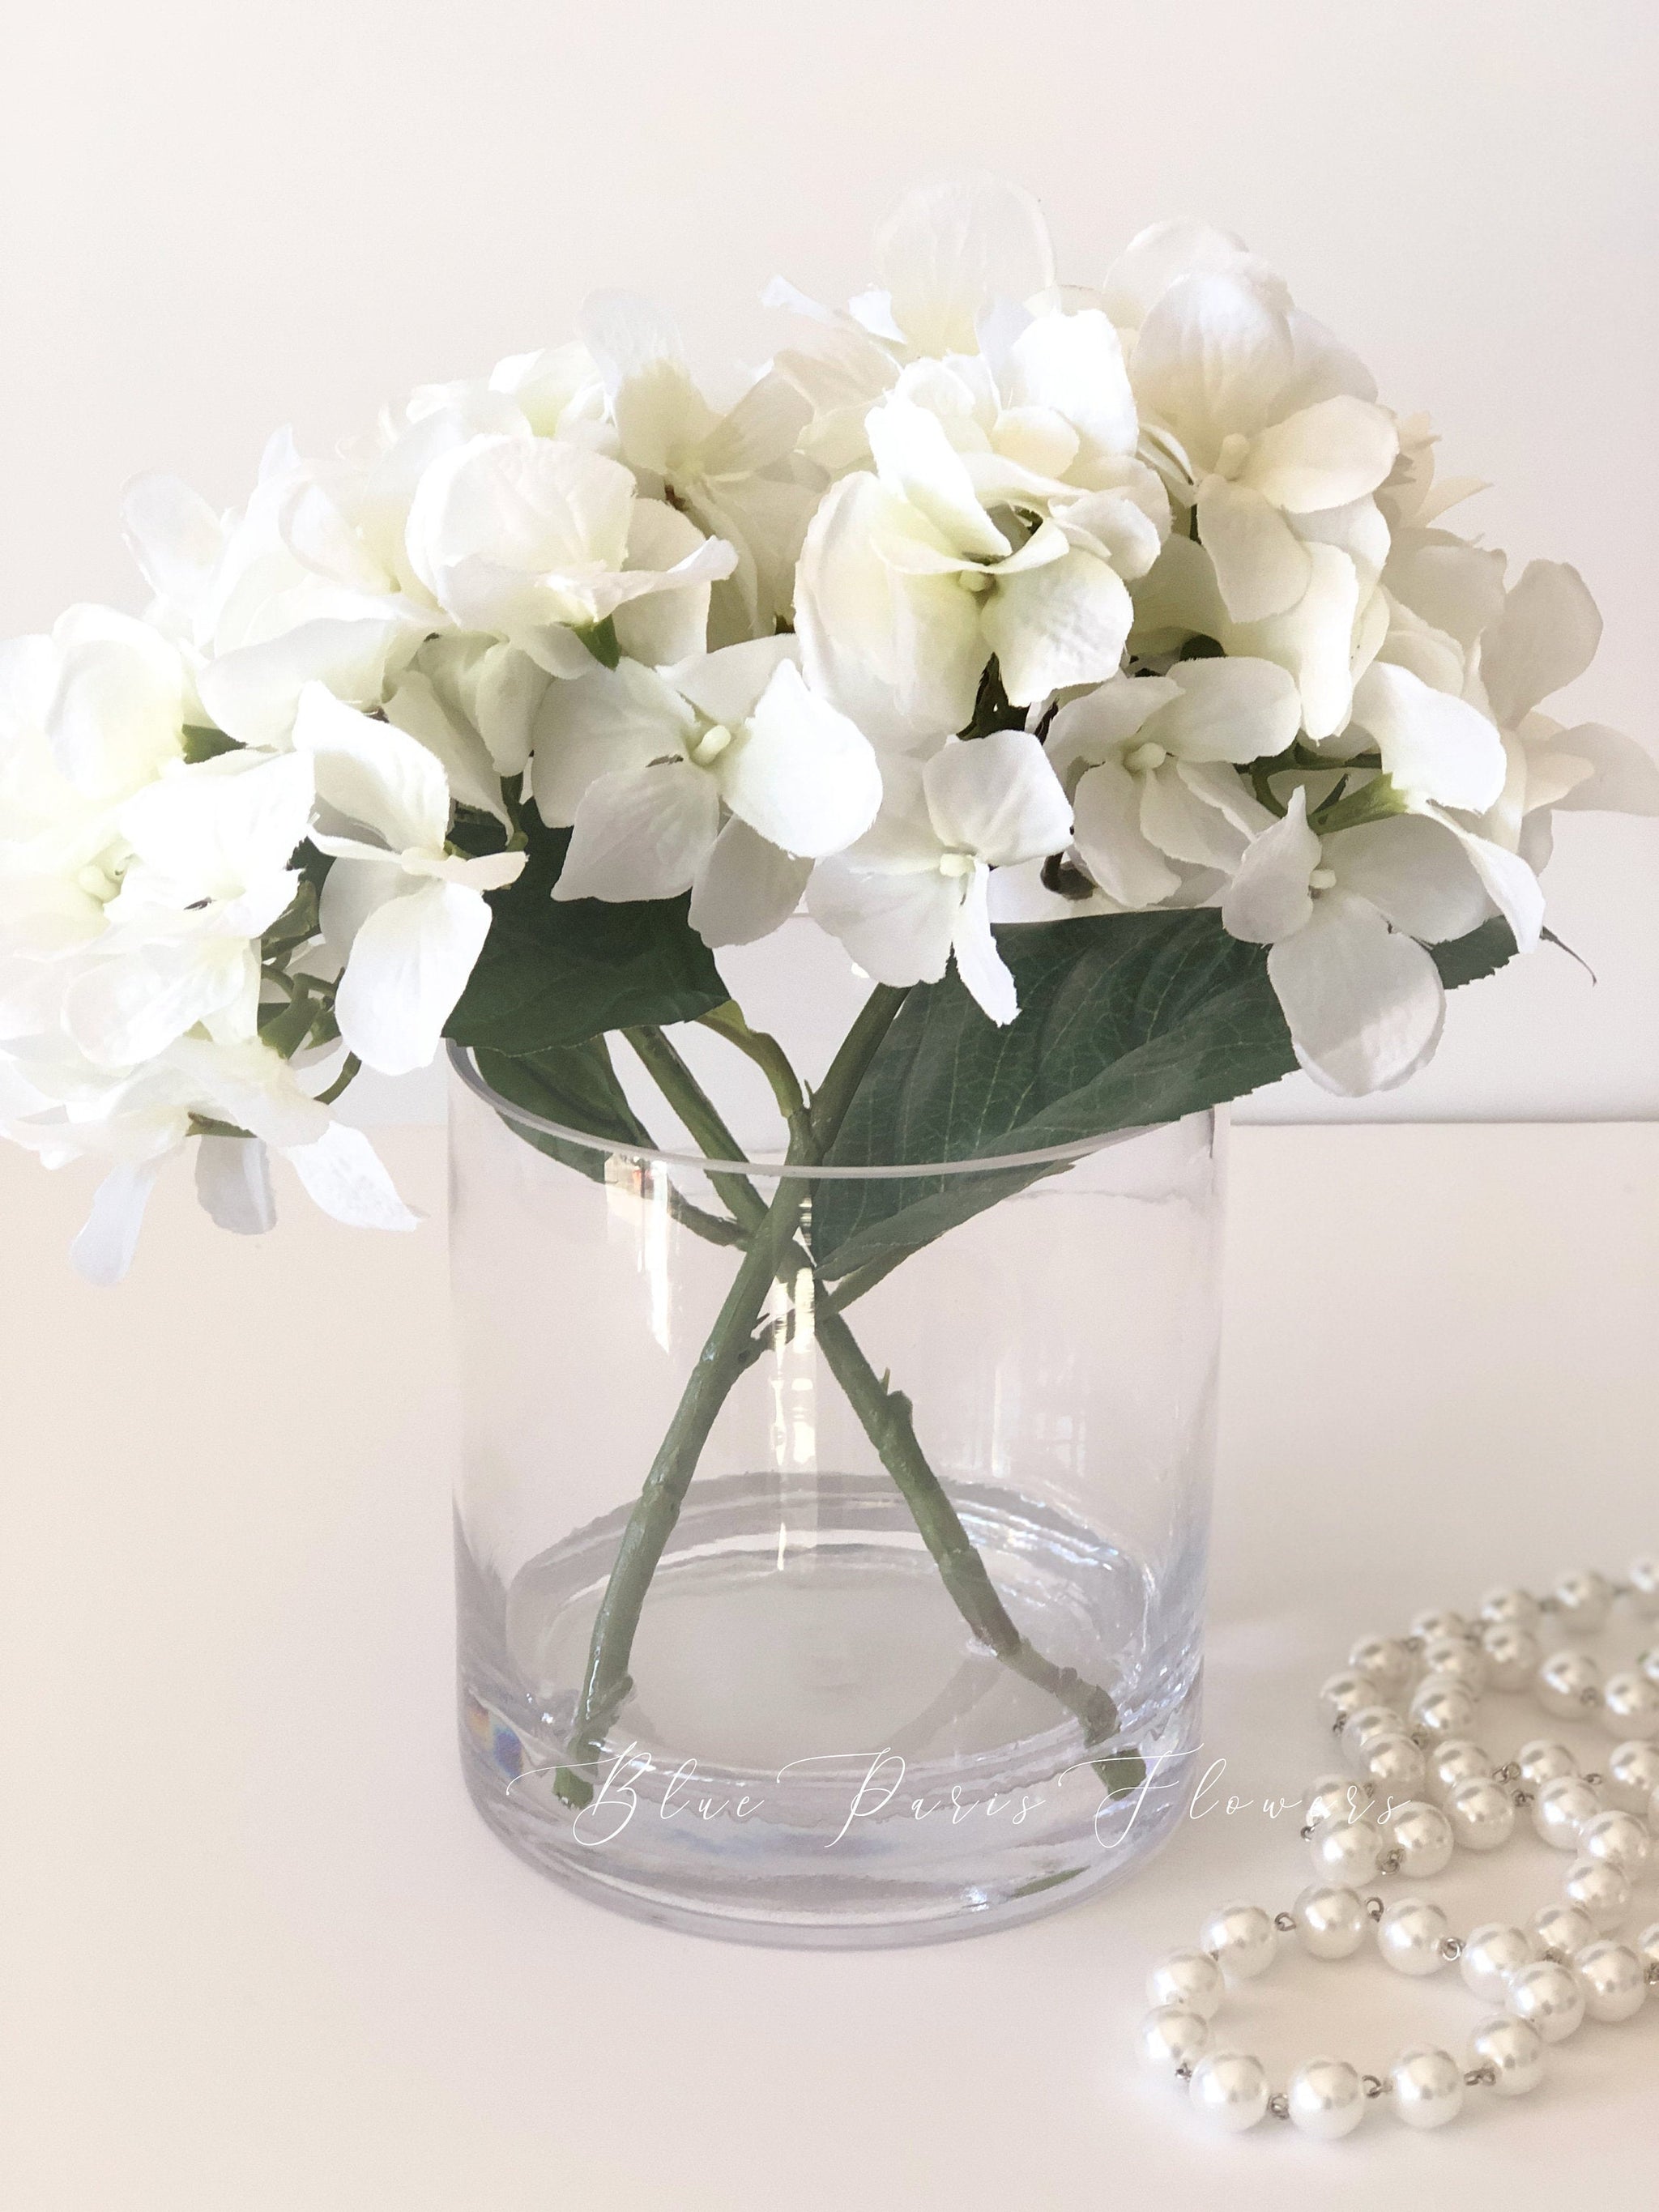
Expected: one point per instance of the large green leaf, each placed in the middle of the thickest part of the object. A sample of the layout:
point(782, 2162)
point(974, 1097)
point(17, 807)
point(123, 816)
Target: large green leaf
point(1125, 1020)
point(555, 972)
point(575, 1084)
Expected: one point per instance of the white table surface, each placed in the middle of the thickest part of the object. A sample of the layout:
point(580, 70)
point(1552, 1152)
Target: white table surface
point(260, 1955)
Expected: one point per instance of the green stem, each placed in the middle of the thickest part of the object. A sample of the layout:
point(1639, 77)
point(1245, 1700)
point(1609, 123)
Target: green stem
point(1375, 800)
point(728, 1350)
point(886, 1418)
point(769, 1056)
point(725, 1356)
point(350, 1071)
point(830, 1102)
point(702, 1117)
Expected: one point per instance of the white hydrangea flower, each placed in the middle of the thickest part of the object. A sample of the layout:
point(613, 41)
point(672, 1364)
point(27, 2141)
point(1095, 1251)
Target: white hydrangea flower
point(912, 577)
point(1343, 917)
point(569, 581)
point(1149, 765)
point(950, 256)
point(207, 873)
point(949, 253)
point(733, 472)
point(1259, 420)
point(725, 776)
point(1542, 635)
point(138, 1123)
point(1162, 254)
point(134, 891)
point(1322, 642)
point(535, 540)
point(289, 591)
point(406, 915)
point(913, 894)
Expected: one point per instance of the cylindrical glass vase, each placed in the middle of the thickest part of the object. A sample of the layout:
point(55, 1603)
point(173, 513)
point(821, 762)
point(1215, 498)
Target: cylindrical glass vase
point(834, 1612)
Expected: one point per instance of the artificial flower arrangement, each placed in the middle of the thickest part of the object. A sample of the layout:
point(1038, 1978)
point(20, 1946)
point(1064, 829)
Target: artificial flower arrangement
point(1038, 638)
point(1094, 664)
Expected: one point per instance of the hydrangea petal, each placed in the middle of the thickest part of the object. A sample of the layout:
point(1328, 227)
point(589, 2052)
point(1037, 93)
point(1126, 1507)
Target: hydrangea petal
point(409, 964)
point(801, 773)
point(641, 833)
point(746, 888)
point(1365, 1004)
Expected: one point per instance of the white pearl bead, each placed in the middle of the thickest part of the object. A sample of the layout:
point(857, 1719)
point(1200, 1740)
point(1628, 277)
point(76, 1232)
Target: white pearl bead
point(1515, 2052)
point(1561, 1808)
point(1230, 2090)
point(1456, 1760)
point(1443, 1708)
point(1491, 1955)
point(1482, 1815)
point(1568, 1683)
point(1620, 1838)
point(1561, 1931)
point(1410, 1934)
point(1614, 1981)
point(1428, 1625)
point(1172, 2036)
point(1337, 1797)
point(1395, 1765)
point(1347, 1853)
point(1643, 1576)
point(1345, 1692)
point(1547, 1997)
point(1186, 1981)
point(1427, 2086)
point(1512, 1656)
point(1365, 1726)
point(1330, 1922)
point(1584, 1600)
point(1386, 1660)
point(1633, 1776)
point(1630, 1705)
point(1422, 1834)
point(1544, 1759)
point(1647, 1946)
point(1242, 1937)
point(1511, 1608)
point(1326, 2099)
point(1600, 1889)
point(1457, 1659)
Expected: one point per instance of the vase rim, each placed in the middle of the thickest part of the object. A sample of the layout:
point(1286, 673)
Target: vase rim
point(774, 1168)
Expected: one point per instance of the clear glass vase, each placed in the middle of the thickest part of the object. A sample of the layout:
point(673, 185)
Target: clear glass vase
point(831, 1612)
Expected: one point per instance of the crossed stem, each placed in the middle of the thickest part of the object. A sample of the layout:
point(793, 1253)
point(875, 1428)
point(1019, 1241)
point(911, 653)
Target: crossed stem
point(774, 1250)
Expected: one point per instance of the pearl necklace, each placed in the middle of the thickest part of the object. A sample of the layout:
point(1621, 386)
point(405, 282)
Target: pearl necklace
point(1405, 1709)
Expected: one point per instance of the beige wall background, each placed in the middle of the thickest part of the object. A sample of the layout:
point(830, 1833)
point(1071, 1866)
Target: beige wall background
point(219, 216)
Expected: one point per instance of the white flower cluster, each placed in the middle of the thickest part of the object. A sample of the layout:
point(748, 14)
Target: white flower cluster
point(989, 598)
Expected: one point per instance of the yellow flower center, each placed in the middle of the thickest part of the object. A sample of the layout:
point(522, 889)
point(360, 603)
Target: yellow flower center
point(708, 749)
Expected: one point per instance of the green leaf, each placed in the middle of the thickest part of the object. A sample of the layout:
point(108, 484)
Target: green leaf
point(1125, 1020)
point(575, 1084)
point(203, 743)
point(1482, 952)
point(555, 972)
point(601, 642)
